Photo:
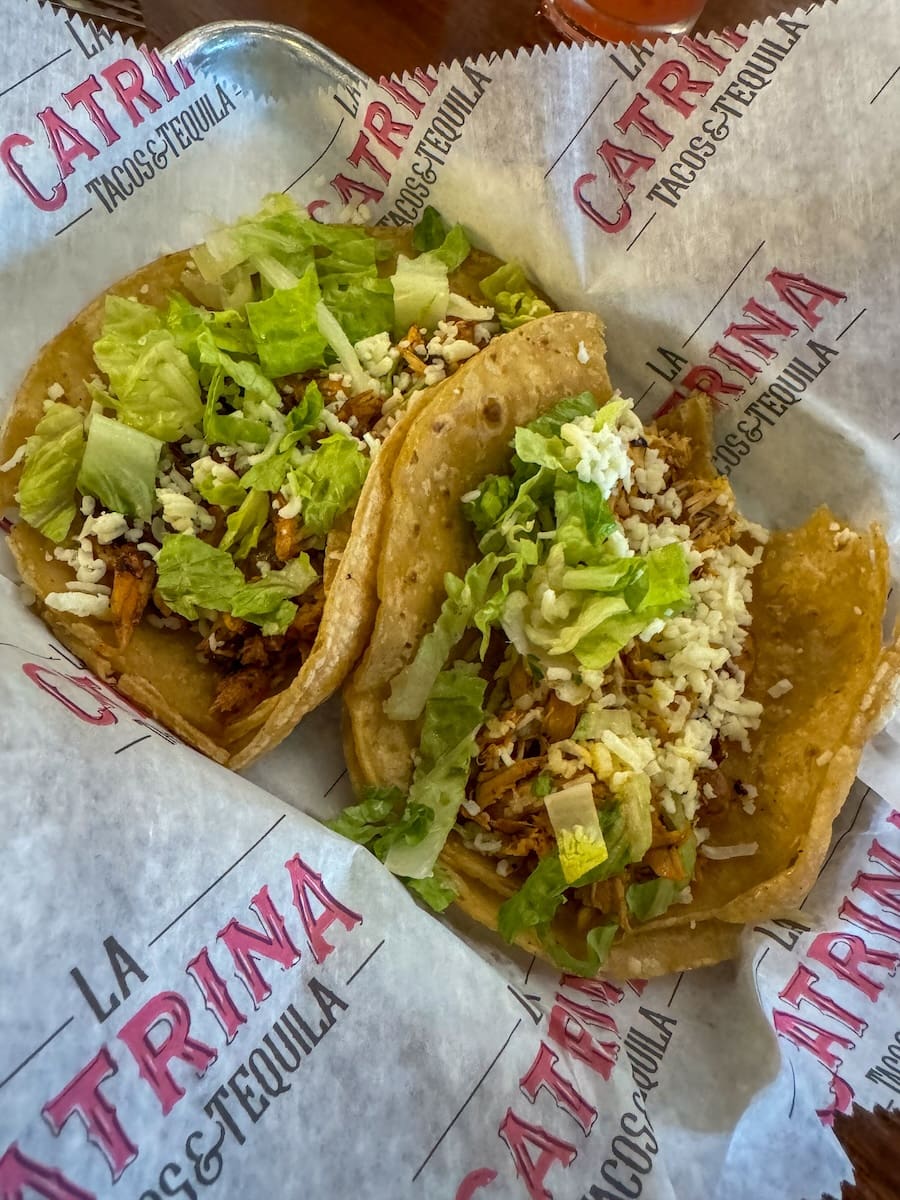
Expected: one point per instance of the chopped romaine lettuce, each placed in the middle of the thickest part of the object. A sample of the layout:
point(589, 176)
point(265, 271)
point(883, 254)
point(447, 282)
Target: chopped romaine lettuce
point(514, 299)
point(245, 524)
point(285, 328)
point(437, 890)
point(421, 292)
point(303, 418)
point(452, 716)
point(152, 384)
point(267, 601)
point(327, 481)
point(192, 575)
point(119, 467)
point(247, 374)
point(651, 899)
point(46, 493)
point(228, 328)
point(330, 328)
point(430, 231)
point(412, 686)
point(269, 474)
point(229, 428)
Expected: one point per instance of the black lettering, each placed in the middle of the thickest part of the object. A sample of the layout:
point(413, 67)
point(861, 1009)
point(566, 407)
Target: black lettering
point(822, 352)
point(120, 961)
point(630, 1194)
point(327, 1000)
point(676, 363)
point(641, 1162)
point(218, 1103)
point(175, 1188)
point(288, 1045)
point(661, 1021)
point(476, 78)
point(274, 1086)
point(791, 28)
point(228, 105)
point(93, 186)
point(207, 1164)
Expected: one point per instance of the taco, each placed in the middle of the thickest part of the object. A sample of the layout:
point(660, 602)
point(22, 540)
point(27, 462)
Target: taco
point(600, 710)
point(201, 459)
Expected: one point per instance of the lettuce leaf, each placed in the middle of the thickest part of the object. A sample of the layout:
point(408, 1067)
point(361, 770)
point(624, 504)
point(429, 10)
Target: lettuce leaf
point(535, 904)
point(362, 304)
point(514, 299)
point(328, 481)
point(437, 890)
point(269, 474)
point(303, 417)
point(46, 493)
point(229, 428)
point(453, 714)
point(285, 328)
point(186, 322)
point(245, 524)
point(248, 375)
point(430, 231)
point(192, 575)
point(119, 467)
point(267, 601)
point(152, 384)
point(411, 688)
point(651, 899)
point(421, 293)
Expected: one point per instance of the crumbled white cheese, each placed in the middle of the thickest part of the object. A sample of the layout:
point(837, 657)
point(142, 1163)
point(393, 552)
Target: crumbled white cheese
point(182, 513)
point(583, 356)
point(376, 354)
point(105, 528)
point(600, 455)
point(56, 391)
point(781, 688)
point(504, 867)
point(82, 604)
point(740, 850)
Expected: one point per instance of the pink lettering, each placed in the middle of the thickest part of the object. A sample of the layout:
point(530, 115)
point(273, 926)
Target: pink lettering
point(622, 217)
point(764, 322)
point(819, 1042)
point(803, 295)
point(81, 1096)
point(800, 988)
point(348, 188)
point(520, 1137)
point(571, 1036)
point(17, 1172)
point(129, 93)
point(362, 153)
point(857, 916)
point(44, 677)
point(246, 945)
point(634, 115)
point(57, 197)
point(682, 84)
point(59, 132)
point(845, 953)
point(153, 1059)
point(743, 367)
point(215, 993)
point(380, 123)
point(543, 1074)
point(623, 163)
point(84, 94)
point(305, 881)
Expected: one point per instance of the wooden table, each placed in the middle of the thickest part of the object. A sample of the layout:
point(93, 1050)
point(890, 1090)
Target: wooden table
point(387, 36)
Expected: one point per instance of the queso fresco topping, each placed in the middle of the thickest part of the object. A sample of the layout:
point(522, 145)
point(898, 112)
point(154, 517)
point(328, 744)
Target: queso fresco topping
point(583, 681)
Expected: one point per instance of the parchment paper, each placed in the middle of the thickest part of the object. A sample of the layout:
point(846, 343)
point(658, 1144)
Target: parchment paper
point(204, 992)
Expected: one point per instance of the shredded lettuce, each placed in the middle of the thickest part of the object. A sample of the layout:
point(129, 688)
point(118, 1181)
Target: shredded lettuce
point(328, 481)
point(285, 328)
point(337, 339)
point(535, 904)
point(229, 428)
point(152, 384)
point(186, 322)
point(412, 686)
point(247, 374)
point(192, 575)
point(453, 714)
point(651, 899)
point(383, 819)
point(267, 601)
point(53, 454)
point(269, 474)
point(303, 417)
point(514, 299)
point(430, 231)
point(245, 524)
point(421, 292)
point(119, 467)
